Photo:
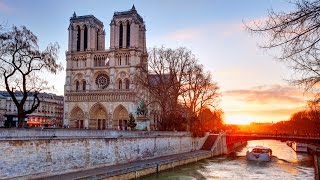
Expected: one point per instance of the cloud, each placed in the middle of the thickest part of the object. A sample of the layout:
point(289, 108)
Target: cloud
point(4, 7)
point(187, 34)
point(219, 29)
point(258, 22)
point(205, 31)
point(268, 94)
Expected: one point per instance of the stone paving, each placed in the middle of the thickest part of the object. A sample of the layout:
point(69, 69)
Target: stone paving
point(132, 167)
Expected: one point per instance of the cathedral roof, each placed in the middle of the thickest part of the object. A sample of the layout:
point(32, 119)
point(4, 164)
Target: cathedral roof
point(76, 18)
point(156, 79)
point(132, 11)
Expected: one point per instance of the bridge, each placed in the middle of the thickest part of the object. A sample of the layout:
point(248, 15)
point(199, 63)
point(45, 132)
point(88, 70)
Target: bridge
point(282, 137)
point(234, 139)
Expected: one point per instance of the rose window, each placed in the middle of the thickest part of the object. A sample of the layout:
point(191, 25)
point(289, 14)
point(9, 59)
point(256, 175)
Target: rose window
point(102, 81)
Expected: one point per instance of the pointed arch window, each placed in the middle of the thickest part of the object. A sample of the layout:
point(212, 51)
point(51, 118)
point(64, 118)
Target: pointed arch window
point(85, 41)
point(84, 84)
point(120, 84)
point(127, 59)
point(121, 36)
point(127, 83)
point(128, 35)
point(97, 39)
point(78, 38)
point(77, 86)
point(119, 60)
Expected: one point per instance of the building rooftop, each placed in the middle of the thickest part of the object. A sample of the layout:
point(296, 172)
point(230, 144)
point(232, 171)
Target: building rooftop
point(44, 95)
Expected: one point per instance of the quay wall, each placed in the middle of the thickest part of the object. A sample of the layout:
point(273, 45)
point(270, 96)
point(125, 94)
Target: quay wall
point(220, 146)
point(315, 151)
point(36, 153)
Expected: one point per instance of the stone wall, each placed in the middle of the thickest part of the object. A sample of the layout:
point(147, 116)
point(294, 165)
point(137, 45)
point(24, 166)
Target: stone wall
point(31, 153)
point(220, 145)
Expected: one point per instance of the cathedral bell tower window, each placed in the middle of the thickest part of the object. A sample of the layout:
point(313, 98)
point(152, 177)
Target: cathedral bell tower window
point(121, 36)
point(97, 39)
point(128, 35)
point(85, 40)
point(78, 38)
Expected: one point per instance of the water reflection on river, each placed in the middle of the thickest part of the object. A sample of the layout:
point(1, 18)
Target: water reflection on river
point(285, 164)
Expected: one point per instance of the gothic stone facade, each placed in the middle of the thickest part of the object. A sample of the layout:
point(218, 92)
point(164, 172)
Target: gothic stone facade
point(100, 91)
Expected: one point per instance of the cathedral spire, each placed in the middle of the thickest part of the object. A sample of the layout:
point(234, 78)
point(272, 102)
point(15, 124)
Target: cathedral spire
point(74, 14)
point(133, 8)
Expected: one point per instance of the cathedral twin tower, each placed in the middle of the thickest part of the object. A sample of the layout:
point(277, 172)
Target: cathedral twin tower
point(100, 91)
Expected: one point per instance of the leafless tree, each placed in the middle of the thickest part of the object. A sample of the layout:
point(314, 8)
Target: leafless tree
point(297, 35)
point(170, 79)
point(22, 65)
point(199, 91)
point(163, 77)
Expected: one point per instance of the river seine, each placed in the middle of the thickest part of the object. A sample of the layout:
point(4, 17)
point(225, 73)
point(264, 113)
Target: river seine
point(285, 164)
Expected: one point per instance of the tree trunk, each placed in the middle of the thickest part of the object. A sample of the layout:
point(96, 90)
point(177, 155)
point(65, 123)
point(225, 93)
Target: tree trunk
point(20, 117)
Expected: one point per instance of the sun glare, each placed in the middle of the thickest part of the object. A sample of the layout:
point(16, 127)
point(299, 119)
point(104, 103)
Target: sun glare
point(239, 119)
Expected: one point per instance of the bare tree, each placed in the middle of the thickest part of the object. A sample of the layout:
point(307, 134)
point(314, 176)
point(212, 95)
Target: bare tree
point(164, 77)
point(22, 65)
point(174, 78)
point(297, 35)
point(199, 91)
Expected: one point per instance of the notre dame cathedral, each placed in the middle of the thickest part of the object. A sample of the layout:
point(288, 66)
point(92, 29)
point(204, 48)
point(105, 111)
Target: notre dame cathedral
point(100, 91)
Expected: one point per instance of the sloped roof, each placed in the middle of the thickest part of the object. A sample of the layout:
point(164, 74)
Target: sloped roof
point(155, 79)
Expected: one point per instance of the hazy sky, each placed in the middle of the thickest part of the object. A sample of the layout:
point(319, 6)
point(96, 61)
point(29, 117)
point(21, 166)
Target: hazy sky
point(253, 84)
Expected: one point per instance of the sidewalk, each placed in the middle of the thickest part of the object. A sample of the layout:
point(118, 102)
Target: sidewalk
point(135, 169)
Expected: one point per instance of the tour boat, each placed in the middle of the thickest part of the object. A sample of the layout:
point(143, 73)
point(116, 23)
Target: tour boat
point(299, 147)
point(259, 153)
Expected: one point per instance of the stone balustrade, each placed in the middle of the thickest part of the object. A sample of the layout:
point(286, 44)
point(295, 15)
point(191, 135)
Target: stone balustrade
point(23, 134)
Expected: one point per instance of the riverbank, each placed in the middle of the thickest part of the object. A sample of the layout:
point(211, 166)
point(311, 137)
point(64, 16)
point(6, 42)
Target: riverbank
point(39, 153)
point(135, 169)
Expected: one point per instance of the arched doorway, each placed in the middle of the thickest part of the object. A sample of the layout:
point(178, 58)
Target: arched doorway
point(120, 118)
point(98, 117)
point(76, 118)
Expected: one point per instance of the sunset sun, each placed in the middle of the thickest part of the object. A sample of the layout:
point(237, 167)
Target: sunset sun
point(239, 119)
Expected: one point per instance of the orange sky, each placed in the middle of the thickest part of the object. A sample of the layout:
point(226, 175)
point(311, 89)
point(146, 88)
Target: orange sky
point(262, 104)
